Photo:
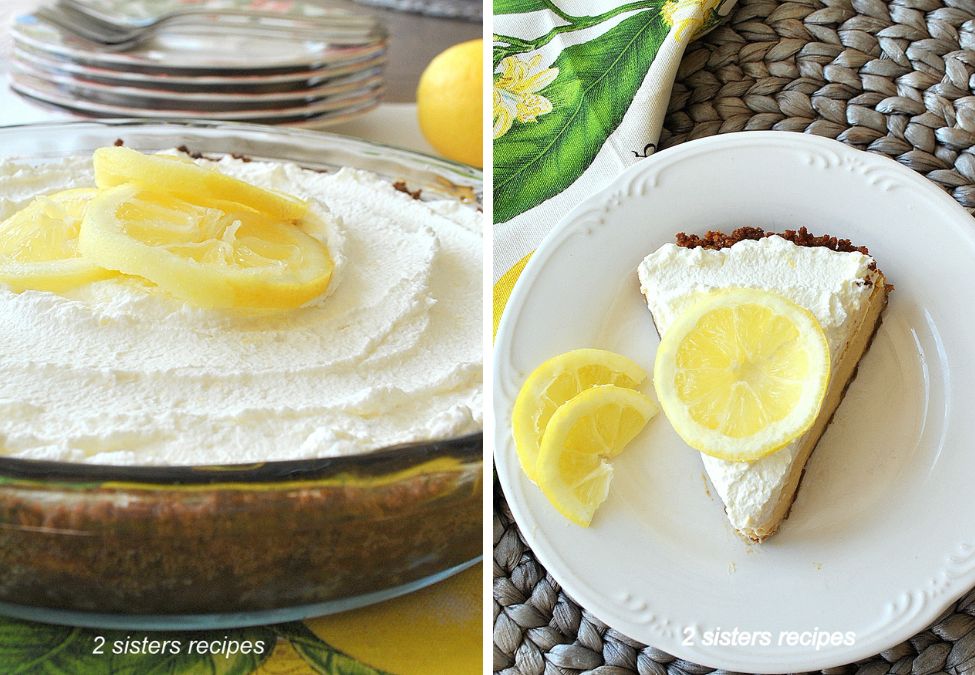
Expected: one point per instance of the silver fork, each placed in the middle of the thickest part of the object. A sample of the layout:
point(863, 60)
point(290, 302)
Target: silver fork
point(341, 17)
point(93, 26)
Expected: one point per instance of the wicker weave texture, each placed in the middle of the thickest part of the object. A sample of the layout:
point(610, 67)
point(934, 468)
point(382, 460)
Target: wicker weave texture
point(539, 629)
point(893, 78)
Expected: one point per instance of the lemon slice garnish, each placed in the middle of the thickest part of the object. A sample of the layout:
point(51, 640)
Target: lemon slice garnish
point(555, 382)
point(39, 244)
point(581, 435)
point(183, 178)
point(741, 373)
point(221, 255)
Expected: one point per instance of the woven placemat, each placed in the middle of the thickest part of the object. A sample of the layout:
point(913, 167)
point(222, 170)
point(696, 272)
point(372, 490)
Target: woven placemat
point(893, 78)
point(539, 629)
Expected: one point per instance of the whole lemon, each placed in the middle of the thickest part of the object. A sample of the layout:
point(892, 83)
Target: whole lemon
point(449, 102)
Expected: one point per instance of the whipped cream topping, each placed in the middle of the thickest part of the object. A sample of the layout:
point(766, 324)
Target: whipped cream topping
point(117, 372)
point(834, 286)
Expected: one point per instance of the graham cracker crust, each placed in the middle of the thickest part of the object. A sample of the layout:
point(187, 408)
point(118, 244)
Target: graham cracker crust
point(714, 239)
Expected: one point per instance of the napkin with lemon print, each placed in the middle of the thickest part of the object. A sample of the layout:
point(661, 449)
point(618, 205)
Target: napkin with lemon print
point(580, 92)
point(435, 630)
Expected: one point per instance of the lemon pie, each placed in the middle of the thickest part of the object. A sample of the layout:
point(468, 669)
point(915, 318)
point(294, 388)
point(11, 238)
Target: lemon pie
point(834, 284)
point(156, 309)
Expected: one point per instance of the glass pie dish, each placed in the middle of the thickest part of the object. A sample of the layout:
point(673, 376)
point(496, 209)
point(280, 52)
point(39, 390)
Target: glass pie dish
point(210, 546)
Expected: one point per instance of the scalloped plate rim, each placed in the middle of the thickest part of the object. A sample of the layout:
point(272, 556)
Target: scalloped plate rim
point(953, 584)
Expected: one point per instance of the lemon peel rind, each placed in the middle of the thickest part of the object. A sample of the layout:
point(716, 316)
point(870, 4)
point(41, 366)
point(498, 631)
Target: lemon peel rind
point(56, 276)
point(777, 435)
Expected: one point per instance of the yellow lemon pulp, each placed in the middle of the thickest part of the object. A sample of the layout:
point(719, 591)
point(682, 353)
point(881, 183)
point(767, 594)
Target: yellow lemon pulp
point(742, 372)
point(182, 178)
point(555, 382)
point(582, 434)
point(449, 102)
point(204, 237)
point(221, 255)
point(39, 244)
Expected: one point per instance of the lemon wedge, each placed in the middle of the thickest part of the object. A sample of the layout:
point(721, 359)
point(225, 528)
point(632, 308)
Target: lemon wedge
point(582, 434)
point(555, 382)
point(183, 178)
point(221, 255)
point(39, 244)
point(741, 373)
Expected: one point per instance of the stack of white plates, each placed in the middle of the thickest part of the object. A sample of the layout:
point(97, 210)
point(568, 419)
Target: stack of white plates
point(209, 70)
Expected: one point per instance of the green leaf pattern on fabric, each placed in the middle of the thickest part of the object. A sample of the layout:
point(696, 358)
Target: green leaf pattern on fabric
point(595, 85)
point(518, 6)
point(321, 656)
point(30, 648)
point(550, 122)
point(27, 647)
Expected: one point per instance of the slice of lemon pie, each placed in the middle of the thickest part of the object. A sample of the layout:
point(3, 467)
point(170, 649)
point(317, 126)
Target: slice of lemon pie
point(813, 286)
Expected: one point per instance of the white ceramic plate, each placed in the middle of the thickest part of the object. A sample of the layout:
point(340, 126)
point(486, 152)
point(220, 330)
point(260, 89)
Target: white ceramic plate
point(881, 538)
point(203, 50)
point(282, 85)
point(330, 110)
point(162, 99)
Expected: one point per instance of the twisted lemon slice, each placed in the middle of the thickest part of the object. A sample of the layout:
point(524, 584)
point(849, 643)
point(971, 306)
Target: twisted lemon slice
point(39, 244)
point(555, 382)
point(582, 434)
point(180, 177)
point(742, 372)
point(224, 254)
